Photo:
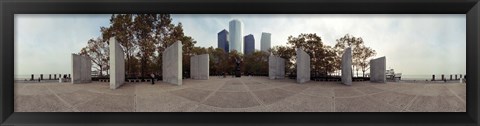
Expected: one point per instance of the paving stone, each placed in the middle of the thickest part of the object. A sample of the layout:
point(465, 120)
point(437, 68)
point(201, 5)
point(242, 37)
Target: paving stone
point(231, 100)
point(437, 104)
point(362, 104)
point(32, 89)
point(394, 98)
point(428, 90)
point(206, 108)
point(347, 92)
point(457, 89)
point(255, 87)
point(64, 88)
point(305, 103)
point(272, 95)
point(319, 91)
point(233, 88)
point(108, 103)
point(369, 90)
point(78, 97)
point(282, 106)
point(209, 87)
point(295, 88)
point(163, 102)
point(244, 94)
point(38, 103)
point(192, 94)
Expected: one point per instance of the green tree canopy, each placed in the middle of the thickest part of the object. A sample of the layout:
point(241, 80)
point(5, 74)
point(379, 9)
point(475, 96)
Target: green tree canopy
point(360, 53)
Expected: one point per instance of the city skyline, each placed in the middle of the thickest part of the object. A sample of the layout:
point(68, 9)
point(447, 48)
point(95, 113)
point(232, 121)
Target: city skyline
point(265, 41)
point(235, 35)
point(433, 43)
point(249, 44)
point(223, 40)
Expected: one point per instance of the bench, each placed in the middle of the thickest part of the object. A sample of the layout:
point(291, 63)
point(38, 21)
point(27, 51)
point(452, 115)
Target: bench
point(134, 80)
point(104, 80)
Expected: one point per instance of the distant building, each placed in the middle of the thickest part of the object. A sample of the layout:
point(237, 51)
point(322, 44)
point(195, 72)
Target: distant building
point(249, 42)
point(236, 35)
point(265, 41)
point(223, 40)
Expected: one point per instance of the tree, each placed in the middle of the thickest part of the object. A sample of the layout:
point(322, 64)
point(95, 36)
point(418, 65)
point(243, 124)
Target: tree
point(233, 56)
point(190, 52)
point(288, 54)
point(218, 60)
point(321, 56)
point(325, 59)
point(143, 38)
point(163, 30)
point(187, 47)
point(121, 28)
point(213, 59)
point(98, 51)
point(256, 63)
point(366, 53)
point(360, 53)
point(143, 27)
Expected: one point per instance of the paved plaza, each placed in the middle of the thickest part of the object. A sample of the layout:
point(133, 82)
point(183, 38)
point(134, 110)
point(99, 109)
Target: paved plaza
point(245, 94)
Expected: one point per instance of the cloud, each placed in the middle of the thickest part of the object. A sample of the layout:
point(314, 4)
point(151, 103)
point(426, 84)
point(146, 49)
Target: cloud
point(413, 44)
point(44, 43)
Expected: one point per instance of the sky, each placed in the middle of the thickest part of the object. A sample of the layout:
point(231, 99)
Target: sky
point(413, 44)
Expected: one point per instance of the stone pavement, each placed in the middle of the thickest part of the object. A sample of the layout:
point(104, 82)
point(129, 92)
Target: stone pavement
point(246, 94)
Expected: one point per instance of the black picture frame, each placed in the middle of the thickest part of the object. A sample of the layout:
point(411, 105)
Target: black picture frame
point(10, 7)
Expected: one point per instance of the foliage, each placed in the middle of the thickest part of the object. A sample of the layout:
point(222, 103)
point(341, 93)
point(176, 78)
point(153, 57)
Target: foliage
point(256, 63)
point(360, 53)
point(144, 37)
point(98, 51)
point(325, 59)
point(321, 55)
point(288, 54)
point(218, 61)
point(121, 29)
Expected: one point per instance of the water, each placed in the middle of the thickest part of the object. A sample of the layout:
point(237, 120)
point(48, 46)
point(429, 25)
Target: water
point(404, 77)
point(36, 76)
point(23, 77)
point(416, 77)
point(428, 77)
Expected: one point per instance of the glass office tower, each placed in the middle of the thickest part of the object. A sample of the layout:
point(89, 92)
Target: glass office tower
point(265, 41)
point(223, 40)
point(249, 42)
point(236, 35)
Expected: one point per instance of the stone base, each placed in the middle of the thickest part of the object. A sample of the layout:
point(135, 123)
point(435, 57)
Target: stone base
point(276, 67)
point(347, 66)
point(378, 70)
point(303, 66)
point(81, 69)
point(199, 67)
point(117, 64)
point(172, 64)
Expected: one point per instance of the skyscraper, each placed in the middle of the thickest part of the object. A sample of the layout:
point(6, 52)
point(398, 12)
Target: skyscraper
point(249, 42)
point(236, 35)
point(223, 40)
point(265, 41)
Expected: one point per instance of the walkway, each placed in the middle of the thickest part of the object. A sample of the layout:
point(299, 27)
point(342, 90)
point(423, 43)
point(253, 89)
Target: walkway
point(246, 94)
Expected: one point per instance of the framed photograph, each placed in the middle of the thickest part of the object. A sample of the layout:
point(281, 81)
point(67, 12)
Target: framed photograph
point(239, 62)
